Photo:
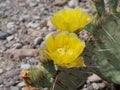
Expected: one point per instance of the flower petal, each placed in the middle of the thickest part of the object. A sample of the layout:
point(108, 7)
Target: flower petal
point(64, 47)
point(79, 62)
point(70, 19)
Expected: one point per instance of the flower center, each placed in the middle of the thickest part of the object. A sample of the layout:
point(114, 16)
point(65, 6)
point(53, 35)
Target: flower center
point(64, 51)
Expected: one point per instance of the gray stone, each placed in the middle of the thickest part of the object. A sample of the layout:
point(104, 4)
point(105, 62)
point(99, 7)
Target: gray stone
point(16, 78)
point(1, 86)
point(73, 3)
point(9, 44)
point(22, 31)
point(4, 88)
point(101, 85)
point(10, 83)
point(11, 74)
point(89, 88)
point(25, 66)
point(33, 62)
point(14, 88)
point(3, 35)
point(15, 18)
point(36, 17)
point(86, 9)
point(1, 71)
point(94, 78)
point(9, 68)
point(84, 89)
point(38, 41)
point(17, 45)
point(83, 0)
point(1, 13)
point(2, 5)
point(59, 2)
point(10, 25)
point(1, 81)
point(21, 84)
point(10, 38)
point(32, 25)
point(32, 3)
point(95, 86)
point(43, 23)
point(42, 44)
point(24, 18)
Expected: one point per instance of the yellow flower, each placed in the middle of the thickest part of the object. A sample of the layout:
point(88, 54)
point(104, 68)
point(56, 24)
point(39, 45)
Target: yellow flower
point(70, 19)
point(64, 49)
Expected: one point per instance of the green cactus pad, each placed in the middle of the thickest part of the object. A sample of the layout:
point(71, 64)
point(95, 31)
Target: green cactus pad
point(70, 79)
point(104, 49)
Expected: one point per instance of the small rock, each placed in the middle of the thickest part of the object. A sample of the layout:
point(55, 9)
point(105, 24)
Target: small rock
point(32, 25)
point(49, 24)
point(1, 82)
point(42, 44)
point(94, 78)
point(16, 78)
point(24, 18)
point(86, 9)
point(59, 2)
point(95, 86)
point(10, 83)
point(36, 17)
point(17, 45)
point(1, 71)
point(38, 41)
point(3, 5)
point(4, 88)
point(32, 3)
point(10, 25)
point(51, 29)
point(33, 62)
point(1, 86)
point(11, 74)
point(14, 88)
point(83, 0)
point(21, 84)
point(84, 89)
point(34, 33)
point(23, 31)
point(9, 44)
point(43, 23)
point(101, 85)
point(73, 3)
point(10, 38)
point(2, 49)
point(3, 35)
point(89, 88)
point(45, 31)
point(25, 66)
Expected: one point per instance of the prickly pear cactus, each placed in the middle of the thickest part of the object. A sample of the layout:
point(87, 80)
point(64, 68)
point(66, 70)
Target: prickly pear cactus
point(70, 79)
point(54, 78)
point(62, 78)
point(103, 51)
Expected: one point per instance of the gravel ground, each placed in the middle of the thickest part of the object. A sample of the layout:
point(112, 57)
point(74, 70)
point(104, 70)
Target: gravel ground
point(24, 24)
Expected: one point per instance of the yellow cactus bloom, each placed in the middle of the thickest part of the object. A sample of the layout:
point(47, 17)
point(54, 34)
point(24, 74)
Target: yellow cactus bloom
point(70, 19)
point(64, 49)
